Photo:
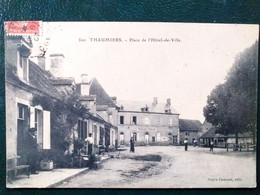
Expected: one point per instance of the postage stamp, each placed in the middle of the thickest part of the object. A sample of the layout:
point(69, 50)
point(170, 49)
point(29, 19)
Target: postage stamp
point(22, 27)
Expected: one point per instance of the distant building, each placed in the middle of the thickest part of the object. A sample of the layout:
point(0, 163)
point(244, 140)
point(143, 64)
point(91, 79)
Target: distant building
point(149, 123)
point(189, 130)
point(221, 140)
point(101, 105)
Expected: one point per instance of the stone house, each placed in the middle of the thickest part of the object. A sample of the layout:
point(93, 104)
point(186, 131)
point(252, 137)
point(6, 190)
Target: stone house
point(24, 80)
point(149, 123)
point(189, 130)
point(102, 107)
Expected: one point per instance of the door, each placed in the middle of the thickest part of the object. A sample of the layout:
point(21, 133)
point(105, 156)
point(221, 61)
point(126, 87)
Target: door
point(122, 138)
point(22, 130)
point(146, 138)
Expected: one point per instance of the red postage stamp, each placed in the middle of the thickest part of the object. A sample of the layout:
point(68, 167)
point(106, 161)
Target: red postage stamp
point(22, 27)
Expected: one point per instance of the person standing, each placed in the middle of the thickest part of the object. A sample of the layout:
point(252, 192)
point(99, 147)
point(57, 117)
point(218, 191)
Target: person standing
point(32, 149)
point(186, 144)
point(132, 145)
point(90, 142)
point(211, 146)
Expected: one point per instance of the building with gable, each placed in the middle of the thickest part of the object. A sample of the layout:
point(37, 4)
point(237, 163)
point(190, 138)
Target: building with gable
point(149, 123)
point(26, 79)
point(101, 105)
point(189, 130)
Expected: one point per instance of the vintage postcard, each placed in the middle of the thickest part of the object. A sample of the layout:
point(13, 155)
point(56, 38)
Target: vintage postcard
point(130, 105)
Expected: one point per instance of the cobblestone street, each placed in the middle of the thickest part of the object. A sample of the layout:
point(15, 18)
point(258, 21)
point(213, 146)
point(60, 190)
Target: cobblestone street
point(171, 167)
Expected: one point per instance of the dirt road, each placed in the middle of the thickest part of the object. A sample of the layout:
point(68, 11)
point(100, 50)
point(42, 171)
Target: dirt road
point(171, 167)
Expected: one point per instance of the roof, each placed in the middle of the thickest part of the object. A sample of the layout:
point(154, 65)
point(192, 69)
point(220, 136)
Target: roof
point(39, 80)
point(189, 125)
point(102, 98)
point(211, 133)
point(135, 106)
point(62, 81)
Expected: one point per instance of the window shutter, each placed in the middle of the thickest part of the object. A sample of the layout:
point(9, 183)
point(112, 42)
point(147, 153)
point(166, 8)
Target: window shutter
point(131, 134)
point(32, 117)
point(137, 137)
point(46, 130)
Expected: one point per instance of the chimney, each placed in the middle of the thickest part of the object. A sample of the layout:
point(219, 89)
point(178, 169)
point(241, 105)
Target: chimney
point(57, 65)
point(84, 86)
point(169, 101)
point(41, 62)
point(155, 100)
point(114, 99)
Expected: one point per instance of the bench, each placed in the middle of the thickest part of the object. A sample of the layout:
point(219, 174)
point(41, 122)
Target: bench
point(240, 147)
point(12, 168)
point(247, 147)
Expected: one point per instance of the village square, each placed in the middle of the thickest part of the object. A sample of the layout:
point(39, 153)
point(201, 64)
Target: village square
point(76, 132)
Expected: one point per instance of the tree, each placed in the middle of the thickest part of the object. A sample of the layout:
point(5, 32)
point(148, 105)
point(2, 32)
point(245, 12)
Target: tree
point(231, 106)
point(64, 116)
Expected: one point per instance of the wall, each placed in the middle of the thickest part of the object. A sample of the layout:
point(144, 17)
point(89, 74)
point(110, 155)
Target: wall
point(190, 136)
point(12, 93)
point(150, 123)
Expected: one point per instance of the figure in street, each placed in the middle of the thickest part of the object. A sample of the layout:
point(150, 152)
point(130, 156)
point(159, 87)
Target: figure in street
point(132, 145)
point(32, 149)
point(211, 146)
point(186, 144)
point(90, 142)
point(195, 143)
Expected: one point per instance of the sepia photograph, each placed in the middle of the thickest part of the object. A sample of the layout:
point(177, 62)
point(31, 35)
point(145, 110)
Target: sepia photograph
point(131, 105)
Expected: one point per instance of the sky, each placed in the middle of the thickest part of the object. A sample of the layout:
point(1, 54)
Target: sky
point(192, 60)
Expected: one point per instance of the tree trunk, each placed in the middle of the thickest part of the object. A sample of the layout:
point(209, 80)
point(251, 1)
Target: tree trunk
point(236, 137)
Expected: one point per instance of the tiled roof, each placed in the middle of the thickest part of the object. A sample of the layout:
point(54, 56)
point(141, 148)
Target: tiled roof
point(189, 125)
point(211, 133)
point(102, 98)
point(135, 106)
point(62, 81)
point(40, 79)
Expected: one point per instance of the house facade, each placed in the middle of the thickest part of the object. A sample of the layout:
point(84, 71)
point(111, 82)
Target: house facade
point(104, 128)
point(148, 123)
point(189, 130)
point(24, 79)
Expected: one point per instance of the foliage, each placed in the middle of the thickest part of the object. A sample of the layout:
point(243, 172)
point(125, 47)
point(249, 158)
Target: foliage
point(231, 106)
point(64, 116)
point(91, 161)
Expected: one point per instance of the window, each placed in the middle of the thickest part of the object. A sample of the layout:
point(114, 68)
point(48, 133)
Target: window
point(146, 137)
point(187, 133)
point(22, 66)
point(82, 130)
point(36, 119)
point(135, 136)
point(38, 124)
point(20, 112)
point(134, 120)
point(121, 119)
